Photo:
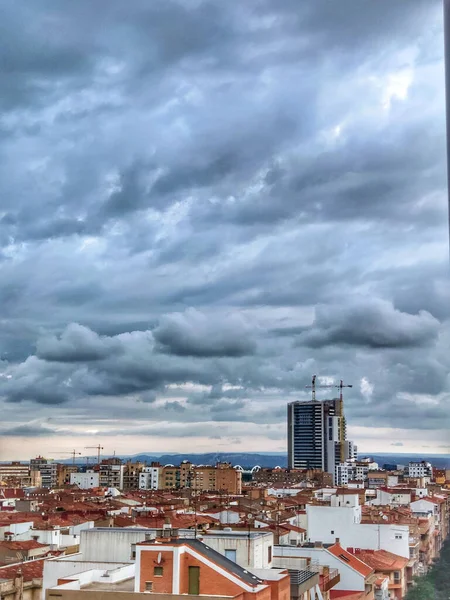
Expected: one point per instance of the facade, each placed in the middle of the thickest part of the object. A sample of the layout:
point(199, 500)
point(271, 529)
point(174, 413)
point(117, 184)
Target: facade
point(48, 471)
point(326, 523)
point(188, 566)
point(221, 478)
point(149, 478)
point(251, 550)
point(317, 435)
point(292, 476)
point(228, 479)
point(131, 475)
point(63, 473)
point(17, 474)
point(89, 479)
point(420, 469)
point(389, 566)
point(111, 472)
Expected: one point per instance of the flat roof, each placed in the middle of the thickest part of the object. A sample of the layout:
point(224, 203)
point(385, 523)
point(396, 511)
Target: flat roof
point(127, 585)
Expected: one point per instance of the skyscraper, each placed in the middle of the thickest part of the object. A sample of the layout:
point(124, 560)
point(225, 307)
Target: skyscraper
point(317, 435)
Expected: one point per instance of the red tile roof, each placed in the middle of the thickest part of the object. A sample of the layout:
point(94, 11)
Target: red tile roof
point(382, 560)
point(349, 559)
point(22, 545)
point(32, 569)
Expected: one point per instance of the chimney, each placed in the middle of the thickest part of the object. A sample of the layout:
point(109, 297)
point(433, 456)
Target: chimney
point(338, 541)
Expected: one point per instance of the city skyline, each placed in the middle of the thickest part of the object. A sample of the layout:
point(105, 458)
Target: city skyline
point(205, 204)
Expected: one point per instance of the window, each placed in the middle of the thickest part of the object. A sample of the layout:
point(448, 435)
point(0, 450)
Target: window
point(398, 536)
point(332, 532)
point(397, 576)
point(149, 586)
point(158, 571)
point(230, 554)
point(269, 553)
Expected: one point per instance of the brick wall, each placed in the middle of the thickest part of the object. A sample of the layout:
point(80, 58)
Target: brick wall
point(161, 585)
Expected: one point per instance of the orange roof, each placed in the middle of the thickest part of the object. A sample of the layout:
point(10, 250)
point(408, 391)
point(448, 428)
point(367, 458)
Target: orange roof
point(32, 569)
point(349, 559)
point(382, 560)
point(24, 545)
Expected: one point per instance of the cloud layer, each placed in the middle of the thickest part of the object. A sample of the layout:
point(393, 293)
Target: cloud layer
point(205, 203)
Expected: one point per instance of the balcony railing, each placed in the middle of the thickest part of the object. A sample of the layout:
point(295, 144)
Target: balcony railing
point(328, 579)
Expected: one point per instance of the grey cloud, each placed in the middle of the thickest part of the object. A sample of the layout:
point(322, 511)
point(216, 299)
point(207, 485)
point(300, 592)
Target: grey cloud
point(76, 344)
point(29, 430)
point(194, 334)
point(372, 324)
point(154, 158)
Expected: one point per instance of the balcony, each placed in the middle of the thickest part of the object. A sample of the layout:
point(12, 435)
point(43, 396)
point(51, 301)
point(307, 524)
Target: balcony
point(328, 579)
point(302, 581)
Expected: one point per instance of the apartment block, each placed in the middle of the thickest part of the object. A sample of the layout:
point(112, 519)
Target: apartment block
point(149, 478)
point(17, 474)
point(48, 471)
point(131, 475)
point(420, 469)
point(111, 472)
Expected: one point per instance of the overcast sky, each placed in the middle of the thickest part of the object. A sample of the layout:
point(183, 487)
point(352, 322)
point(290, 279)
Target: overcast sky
point(205, 202)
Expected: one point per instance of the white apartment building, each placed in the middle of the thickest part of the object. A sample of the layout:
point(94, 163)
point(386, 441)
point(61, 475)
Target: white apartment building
point(351, 470)
point(85, 481)
point(149, 478)
point(326, 523)
point(420, 469)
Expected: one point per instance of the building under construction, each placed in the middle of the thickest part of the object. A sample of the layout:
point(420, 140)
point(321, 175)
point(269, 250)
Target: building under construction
point(317, 436)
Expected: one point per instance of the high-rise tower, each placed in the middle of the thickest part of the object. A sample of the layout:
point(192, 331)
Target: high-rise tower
point(316, 435)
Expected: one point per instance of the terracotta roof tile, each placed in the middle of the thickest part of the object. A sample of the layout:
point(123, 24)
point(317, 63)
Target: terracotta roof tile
point(349, 559)
point(32, 569)
point(382, 560)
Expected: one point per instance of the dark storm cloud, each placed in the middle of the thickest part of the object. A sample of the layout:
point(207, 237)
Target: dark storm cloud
point(29, 430)
point(76, 344)
point(182, 182)
point(370, 323)
point(193, 334)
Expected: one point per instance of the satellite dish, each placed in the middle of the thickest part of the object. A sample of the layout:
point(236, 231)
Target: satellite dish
point(159, 558)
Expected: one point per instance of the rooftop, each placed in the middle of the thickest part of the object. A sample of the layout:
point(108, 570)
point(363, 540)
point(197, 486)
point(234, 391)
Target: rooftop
point(382, 560)
point(214, 556)
point(355, 563)
point(126, 585)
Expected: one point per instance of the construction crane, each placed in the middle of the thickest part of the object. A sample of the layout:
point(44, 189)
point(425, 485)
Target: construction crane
point(314, 386)
point(99, 448)
point(73, 454)
point(340, 387)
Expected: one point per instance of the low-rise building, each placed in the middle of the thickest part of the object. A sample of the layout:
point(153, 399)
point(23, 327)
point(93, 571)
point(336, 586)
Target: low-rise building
point(188, 566)
point(14, 552)
point(88, 480)
point(389, 565)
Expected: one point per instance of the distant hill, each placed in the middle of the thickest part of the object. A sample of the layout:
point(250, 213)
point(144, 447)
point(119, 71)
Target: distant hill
point(235, 458)
point(250, 459)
